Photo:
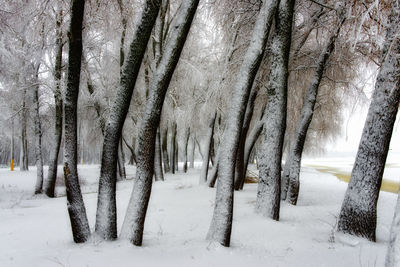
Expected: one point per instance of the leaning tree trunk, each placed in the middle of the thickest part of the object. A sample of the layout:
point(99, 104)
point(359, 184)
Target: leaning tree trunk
point(158, 171)
point(358, 212)
point(206, 159)
point(136, 213)
point(106, 216)
point(221, 224)
point(269, 186)
point(164, 148)
point(76, 207)
point(38, 136)
point(292, 173)
point(53, 161)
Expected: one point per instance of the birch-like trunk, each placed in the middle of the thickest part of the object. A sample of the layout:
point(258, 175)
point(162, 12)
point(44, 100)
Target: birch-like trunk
point(53, 161)
point(292, 167)
point(358, 212)
point(106, 216)
point(206, 159)
point(38, 135)
point(76, 207)
point(269, 162)
point(221, 224)
point(133, 225)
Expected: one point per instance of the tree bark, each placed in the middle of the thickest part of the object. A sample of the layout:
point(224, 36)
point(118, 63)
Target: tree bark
point(172, 144)
point(53, 161)
point(221, 224)
point(292, 167)
point(193, 152)
point(38, 135)
point(136, 213)
point(76, 207)
point(206, 159)
point(23, 161)
point(159, 175)
point(185, 161)
point(164, 147)
point(106, 216)
point(358, 212)
point(269, 162)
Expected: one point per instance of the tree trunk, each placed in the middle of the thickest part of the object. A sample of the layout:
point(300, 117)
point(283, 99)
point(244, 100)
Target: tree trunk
point(132, 159)
point(193, 152)
point(269, 162)
point(121, 161)
point(76, 207)
point(206, 159)
point(176, 155)
point(106, 216)
point(294, 160)
point(53, 161)
point(159, 175)
point(172, 144)
point(185, 167)
point(358, 212)
point(393, 252)
point(23, 161)
point(221, 224)
point(164, 147)
point(38, 135)
point(137, 207)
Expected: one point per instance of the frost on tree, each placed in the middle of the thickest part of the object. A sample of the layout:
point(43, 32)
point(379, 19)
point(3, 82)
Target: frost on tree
point(106, 216)
point(291, 174)
point(221, 224)
point(76, 207)
point(270, 157)
point(133, 225)
point(358, 212)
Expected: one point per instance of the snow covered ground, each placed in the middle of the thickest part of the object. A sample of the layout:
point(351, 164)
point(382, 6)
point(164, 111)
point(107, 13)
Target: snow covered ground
point(35, 230)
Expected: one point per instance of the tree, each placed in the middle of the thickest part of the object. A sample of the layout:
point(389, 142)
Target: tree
point(221, 224)
point(76, 207)
point(270, 157)
point(133, 226)
point(358, 212)
point(106, 216)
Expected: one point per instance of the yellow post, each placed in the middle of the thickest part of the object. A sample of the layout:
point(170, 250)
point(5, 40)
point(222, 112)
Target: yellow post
point(12, 164)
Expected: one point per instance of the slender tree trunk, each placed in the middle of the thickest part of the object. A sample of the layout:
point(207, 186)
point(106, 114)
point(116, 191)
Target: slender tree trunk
point(159, 175)
point(221, 224)
point(106, 216)
point(12, 145)
point(38, 136)
point(136, 213)
point(206, 159)
point(176, 155)
point(294, 160)
point(185, 167)
point(132, 159)
point(212, 178)
point(53, 161)
point(193, 152)
point(172, 154)
point(76, 207)
point(269, 186)
point(121, 161)
point(23, 161)
point(358, 212)
point(164, 147)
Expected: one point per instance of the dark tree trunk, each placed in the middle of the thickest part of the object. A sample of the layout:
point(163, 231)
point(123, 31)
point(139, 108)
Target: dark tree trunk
point(221, 224)
point(176, 155)
point(136, 213)
point(76, 207)
point(38, 135)
point(159, 175)
point(185, 146)
point(172, 144)
point(164, 147)
point(206, 159)
point(23, 159)
point(106, 216)
point(121, 161)
point(358, 212)
point(269, 162)
point(132, 159)
point(292, 167)
point(212, 178)
point(193, 152)
point(53, 161)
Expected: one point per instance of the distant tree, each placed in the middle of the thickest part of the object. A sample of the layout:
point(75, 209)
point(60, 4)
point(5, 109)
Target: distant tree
point(358, 212)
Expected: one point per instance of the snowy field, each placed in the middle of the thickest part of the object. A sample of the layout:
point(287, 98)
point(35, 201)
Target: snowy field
point(35, 230)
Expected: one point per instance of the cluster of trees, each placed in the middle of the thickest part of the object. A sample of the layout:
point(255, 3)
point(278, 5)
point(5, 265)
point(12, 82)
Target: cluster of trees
point(229, 81)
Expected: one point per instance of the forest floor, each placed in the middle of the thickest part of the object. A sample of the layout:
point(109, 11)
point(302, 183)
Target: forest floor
point(35, 230)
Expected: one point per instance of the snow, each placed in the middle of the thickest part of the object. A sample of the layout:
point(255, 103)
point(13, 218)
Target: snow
point(35, 230)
